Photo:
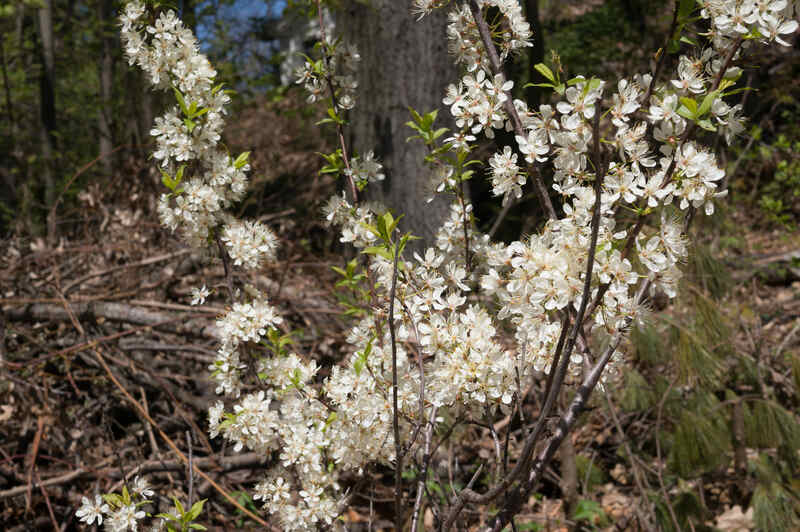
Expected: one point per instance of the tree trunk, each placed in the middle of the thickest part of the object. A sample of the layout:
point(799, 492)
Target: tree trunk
point(47, 104)
point(404, 63)
point(105, 10)
point(10, 192)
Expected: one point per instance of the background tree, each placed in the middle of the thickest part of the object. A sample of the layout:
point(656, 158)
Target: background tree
point(404, 63)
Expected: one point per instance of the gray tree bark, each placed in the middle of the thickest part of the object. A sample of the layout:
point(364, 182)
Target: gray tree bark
point(47, 106)
point(404, 63)
point(105, 15)
point(47, 112)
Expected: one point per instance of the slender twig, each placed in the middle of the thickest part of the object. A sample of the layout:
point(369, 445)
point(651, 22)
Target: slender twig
point(398, 448)
point(191, 472)
point(423, 474)
point(497, 68)
point(47, 502)
point(637, 474)
point(461, 500)
point(662, 54)
point(226, 264)
point(339, 128)
point(565, 424)
point(659, 474)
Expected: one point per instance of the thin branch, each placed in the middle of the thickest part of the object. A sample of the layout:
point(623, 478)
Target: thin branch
point(423, 475)
point(565, 425)
point(660, 61)
point(497, 68)
point(398, 448)
point(226, 263)
point(334, 103)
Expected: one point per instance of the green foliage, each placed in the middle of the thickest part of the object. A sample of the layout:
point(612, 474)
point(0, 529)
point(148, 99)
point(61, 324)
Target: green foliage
point(555, 83)
point(781, 195)
point(246, 500)
point(589, 473)
point(590, 42)
point(689, 512)
point(701, 438)
point(775, 508)
point(182, 519)
point(353, 289)
point(423, 125)
point(591, 513)
point(770, 173)
point(711, 274)
point(637, 393)
point(768, 424)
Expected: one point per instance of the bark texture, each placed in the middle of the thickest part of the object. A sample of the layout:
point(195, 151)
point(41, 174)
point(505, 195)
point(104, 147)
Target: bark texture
point(404, 63)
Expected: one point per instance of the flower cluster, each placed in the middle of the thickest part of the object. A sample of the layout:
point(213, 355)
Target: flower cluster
point(120, 513)
point(203, 178)
point(338, 69)
point(512, 32)
point(767, 20)
point(476, 102)
point(365, 170)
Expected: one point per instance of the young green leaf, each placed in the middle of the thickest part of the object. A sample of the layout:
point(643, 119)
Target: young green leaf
point(545, 71)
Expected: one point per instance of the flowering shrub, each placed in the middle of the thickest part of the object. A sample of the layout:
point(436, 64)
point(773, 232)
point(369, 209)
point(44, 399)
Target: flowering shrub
point(426, 354)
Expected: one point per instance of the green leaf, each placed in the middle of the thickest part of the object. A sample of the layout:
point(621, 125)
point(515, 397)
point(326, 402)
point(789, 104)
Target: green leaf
point(686, 113)
point(550, 85)
point(545, 71)
point(181, 101)
point(113, 499)
point(167, 180)
point(201, 112)
point(382, 232)
point(241, 160)
point(196, 526)
point(707, 124)
point(415, 115)
point(685, 8)
point(178, 506)
point(378, 250)
point(391, 224)
point(708, 101)
point(690, 104)
point(194, 512)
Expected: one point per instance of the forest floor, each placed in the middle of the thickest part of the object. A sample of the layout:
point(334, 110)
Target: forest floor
point(104, 361)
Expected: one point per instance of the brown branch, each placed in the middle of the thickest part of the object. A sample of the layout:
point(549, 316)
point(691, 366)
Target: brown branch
point(497, 68)
point(398, 449)
point(332, 90)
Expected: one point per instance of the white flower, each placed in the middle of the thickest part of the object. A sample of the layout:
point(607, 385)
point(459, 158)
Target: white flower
point(249, 243)
point(89, 511)
point(126, 518)
point(199, 295)
point(141, 488)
